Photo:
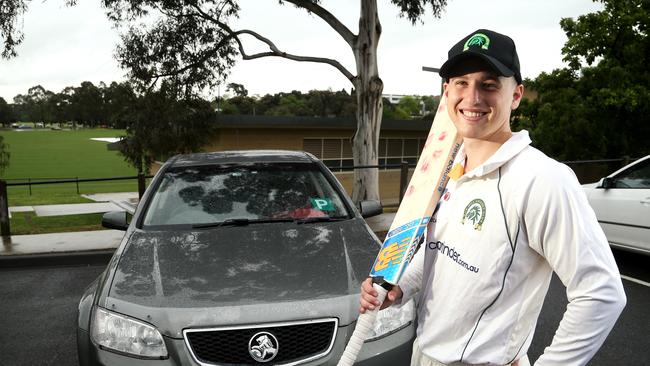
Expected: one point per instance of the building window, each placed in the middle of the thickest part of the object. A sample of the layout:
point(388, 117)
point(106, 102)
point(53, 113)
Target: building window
point(394, 151)
point(337, 153)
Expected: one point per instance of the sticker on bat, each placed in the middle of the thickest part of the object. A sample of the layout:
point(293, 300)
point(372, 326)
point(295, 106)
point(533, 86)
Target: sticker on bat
point(391, 254)
point(397, 250)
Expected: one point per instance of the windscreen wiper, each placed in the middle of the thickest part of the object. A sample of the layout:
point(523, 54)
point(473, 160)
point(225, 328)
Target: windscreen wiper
point(226, 222)
point(237, 222)
point(309, 220)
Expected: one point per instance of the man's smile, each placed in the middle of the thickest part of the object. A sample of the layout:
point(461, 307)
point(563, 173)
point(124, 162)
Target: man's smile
point(472, 114)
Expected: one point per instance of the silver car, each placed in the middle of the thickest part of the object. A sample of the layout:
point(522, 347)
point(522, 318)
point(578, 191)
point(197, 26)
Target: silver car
point(239, 258)
point(622, 205)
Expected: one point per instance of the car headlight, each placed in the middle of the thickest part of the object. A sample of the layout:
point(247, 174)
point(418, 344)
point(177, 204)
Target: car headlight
point(392, 319)
point(126, 335)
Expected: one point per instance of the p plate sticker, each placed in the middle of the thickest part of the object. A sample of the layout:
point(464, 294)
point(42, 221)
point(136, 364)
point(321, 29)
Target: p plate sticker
point(323, 204)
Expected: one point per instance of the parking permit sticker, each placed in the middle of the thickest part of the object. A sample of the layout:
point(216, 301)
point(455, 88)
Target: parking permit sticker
point(323, 204)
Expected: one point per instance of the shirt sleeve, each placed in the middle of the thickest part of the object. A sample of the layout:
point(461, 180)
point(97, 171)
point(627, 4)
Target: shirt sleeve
point(563, 228)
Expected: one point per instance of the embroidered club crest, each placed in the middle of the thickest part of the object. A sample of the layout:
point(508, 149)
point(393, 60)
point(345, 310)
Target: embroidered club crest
point(479, 39)
point(475, 213)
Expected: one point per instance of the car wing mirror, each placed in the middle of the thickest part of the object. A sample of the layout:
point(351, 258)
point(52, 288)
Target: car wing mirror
point(370, 208)
point(115, 220)
point(606, 183)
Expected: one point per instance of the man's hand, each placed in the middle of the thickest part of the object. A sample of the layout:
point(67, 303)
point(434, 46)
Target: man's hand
point(368, 300)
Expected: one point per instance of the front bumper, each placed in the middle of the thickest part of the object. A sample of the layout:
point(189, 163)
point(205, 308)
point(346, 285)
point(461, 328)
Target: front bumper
point(391, 350)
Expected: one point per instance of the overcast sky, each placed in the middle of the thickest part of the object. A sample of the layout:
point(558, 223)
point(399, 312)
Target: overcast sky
point(64, 46)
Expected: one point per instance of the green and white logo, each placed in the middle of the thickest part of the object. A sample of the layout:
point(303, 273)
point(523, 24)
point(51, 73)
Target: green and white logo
point(475, 213)
point(479, 39)
point(323, 204)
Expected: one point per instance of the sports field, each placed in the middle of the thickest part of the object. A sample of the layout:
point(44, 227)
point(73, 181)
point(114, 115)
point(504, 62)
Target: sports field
point(45, 154)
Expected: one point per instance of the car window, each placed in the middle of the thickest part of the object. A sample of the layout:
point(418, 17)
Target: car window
point(637, 176)
point(214, 193)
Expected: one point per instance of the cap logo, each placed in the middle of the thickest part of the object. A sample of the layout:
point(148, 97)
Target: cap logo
point(479, 39)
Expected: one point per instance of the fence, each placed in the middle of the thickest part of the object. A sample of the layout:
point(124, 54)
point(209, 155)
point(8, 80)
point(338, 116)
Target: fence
point(5, 229)
point(29, 182)
point(586, 170)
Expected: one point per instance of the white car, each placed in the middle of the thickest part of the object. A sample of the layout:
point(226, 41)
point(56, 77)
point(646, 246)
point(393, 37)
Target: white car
point(622, 205)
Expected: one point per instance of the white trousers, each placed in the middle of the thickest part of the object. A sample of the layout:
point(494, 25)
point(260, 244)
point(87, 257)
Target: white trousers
point(420, 359)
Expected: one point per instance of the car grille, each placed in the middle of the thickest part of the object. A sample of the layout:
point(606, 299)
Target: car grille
point(297, 342)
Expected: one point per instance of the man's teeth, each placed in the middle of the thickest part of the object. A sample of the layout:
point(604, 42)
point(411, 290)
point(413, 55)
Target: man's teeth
point(473, 114)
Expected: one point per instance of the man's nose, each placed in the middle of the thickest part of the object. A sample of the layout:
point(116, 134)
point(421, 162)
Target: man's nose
point(474, 94)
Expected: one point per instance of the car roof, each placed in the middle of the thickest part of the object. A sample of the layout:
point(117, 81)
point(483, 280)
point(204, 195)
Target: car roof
point(242, 156)
point(638, 161)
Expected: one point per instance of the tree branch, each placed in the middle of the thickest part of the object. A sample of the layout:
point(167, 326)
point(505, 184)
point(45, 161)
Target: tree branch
point(198, 62)
point(276, 52)
point(329, 18)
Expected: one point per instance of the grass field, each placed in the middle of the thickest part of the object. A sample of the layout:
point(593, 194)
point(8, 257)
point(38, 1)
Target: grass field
point(28, 223)
point(44, 154)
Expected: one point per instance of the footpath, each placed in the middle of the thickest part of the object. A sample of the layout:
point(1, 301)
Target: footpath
point(89, 247)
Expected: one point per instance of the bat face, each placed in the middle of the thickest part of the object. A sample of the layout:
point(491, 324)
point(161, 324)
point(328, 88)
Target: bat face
point(422, 194)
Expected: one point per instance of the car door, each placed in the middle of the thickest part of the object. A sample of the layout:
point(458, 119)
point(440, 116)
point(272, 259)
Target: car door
point(623, 210)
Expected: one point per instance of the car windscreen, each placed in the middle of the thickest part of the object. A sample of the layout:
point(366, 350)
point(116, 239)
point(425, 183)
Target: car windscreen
point(257, 192)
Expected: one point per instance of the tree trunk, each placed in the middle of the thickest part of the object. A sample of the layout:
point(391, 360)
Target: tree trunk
point(368, 87)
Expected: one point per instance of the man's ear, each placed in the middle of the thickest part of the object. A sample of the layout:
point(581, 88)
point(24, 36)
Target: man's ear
point(517, 94)
point(444, 86)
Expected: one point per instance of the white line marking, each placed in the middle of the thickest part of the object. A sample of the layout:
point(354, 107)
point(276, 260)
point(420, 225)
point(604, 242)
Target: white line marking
point(106, 139)
point(647, 284)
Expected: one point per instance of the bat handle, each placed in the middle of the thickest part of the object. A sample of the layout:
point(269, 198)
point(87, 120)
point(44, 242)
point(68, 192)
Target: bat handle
point(361, 331)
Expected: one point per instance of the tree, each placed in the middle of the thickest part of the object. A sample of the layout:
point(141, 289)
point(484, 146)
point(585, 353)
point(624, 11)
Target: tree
point(192, 42)
point(65, 105)
point(290, 104)
point(4, 155)
point(598, 106)
point(393, 111)
point(88, 104)
point(317, 103)
point(410, 105)
point(430, 103)
point(564, 125)
point(326, 103)
point(36, 105)
point(238, 89)
point(11, 11)
point(6, 113)
point(118, 99)
point(163, 125)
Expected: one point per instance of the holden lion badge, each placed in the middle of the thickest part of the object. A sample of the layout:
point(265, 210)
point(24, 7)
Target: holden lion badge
point(263, 347)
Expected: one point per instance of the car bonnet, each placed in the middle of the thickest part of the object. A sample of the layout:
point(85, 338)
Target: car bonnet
point(242, 267)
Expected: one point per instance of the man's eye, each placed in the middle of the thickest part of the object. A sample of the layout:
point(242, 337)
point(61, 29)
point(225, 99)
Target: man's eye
point(490, 86)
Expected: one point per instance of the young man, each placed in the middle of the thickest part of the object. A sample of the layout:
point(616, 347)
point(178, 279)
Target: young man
point(509, 218)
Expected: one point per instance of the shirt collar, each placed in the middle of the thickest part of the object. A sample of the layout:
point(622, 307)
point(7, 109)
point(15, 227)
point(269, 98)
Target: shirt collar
point(515, 144)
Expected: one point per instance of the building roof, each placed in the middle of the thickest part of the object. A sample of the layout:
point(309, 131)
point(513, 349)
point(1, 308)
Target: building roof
point(248, 121)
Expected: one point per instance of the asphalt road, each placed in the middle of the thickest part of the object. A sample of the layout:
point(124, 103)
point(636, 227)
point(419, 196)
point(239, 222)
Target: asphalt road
point(627, 344)
point(38, 309)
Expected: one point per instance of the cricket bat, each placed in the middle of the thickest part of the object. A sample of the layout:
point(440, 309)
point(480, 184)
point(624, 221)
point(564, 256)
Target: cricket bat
point(420, 199)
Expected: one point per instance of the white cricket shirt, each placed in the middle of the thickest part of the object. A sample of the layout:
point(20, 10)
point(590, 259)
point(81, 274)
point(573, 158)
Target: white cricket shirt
point(484, 269)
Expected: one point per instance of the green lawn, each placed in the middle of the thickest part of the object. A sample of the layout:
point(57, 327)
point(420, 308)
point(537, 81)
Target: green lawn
point(63, 155)
point(28, 223)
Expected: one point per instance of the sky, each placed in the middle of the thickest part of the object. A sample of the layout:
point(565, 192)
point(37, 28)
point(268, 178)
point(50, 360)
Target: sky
point(65, 46)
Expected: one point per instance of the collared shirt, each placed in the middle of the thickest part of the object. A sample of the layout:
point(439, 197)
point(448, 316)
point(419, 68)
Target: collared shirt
point(482, 273)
